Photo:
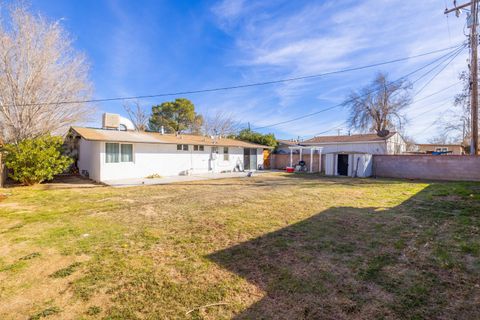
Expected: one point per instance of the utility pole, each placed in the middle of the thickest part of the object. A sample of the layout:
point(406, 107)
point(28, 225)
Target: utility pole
point(472, 24)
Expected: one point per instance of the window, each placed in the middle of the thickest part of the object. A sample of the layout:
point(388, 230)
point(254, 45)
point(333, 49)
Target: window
point(126, 153)
point(112, 150)
point(182, 147)
point(198, 148)
point(441, 149)
point(116, 152)
point(225, 154)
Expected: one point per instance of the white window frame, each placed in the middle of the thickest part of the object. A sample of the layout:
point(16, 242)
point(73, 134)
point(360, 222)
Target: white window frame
point(198, 147)
point(125, 144)
point(120, 152)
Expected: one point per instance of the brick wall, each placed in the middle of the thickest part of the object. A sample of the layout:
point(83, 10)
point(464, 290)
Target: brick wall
point(280, 161)
point(427, 167)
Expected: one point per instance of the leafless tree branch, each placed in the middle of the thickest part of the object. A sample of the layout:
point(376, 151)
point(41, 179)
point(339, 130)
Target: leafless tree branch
point(378, 107)
point(222, 124)
point(137, 115)
point(38, 69)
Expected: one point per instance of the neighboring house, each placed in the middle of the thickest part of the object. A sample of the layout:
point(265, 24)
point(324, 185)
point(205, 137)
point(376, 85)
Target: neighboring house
point(451, 149)
point(284, 145)
point(113, 154)
point(352, 155)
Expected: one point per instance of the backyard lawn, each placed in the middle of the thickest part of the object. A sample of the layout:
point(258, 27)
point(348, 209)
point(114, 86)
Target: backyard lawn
point(274, 246)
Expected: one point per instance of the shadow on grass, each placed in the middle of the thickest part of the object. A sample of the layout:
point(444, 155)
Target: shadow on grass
point(358, 263)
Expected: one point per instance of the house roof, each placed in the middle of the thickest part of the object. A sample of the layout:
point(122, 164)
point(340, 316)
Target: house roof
point(288, 142)
point(95, 134)
point(438, 145)
point(371, 137)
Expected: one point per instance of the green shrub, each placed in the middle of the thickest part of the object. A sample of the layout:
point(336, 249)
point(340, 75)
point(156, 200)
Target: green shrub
point(36, 160)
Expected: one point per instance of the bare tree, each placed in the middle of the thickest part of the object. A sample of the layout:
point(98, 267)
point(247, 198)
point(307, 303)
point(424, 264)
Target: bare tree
point(410, 142)
point(39, 72)
point(221, 123)
point(378, 106)
point(137, 115)
point(442, 138)
point(455, 125)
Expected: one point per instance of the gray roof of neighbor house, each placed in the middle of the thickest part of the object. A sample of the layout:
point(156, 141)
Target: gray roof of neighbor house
point(95, 134)
point(288, 142)
point(439, 145)
point(354, 138)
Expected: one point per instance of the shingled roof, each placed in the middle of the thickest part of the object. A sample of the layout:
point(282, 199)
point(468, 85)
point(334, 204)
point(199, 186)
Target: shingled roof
point(371, 137)
point(95, 134)
point(288, 142)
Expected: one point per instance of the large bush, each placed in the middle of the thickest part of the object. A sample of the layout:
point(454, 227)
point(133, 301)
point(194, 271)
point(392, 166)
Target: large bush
point(36, 160)
point(256, 137)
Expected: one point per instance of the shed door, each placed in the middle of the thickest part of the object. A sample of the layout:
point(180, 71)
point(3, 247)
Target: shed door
point(342, 164)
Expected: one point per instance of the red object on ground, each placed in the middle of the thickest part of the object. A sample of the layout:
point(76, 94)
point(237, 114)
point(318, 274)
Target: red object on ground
point(290, 169)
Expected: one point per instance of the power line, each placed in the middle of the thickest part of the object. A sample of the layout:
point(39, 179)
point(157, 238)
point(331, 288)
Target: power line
point(240, 86)
point(439, 91)
point(436, 74)
point(448, 55)
point(418, 115)
point(455, 54)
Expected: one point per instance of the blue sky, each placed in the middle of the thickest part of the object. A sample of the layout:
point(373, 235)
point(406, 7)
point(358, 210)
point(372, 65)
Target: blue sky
point(148, 47)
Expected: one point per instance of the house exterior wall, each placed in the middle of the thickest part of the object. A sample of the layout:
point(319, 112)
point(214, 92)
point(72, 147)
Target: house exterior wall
point(396, 145)
point(456, 150)
point(161, 159)
point(427, 167)
point(89, 158)
point(364, 147)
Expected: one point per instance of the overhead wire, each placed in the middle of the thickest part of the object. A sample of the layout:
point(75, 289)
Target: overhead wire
point(239, 86)
point(441, 58)
point(452, 57)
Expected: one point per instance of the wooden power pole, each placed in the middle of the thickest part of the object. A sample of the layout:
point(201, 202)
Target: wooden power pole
point(472, 23)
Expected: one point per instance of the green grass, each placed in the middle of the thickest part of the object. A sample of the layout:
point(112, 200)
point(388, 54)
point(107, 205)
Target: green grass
point(274, 246)
point(65, 272)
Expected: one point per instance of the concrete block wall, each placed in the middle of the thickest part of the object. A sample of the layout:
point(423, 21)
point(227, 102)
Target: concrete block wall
point(448, 167)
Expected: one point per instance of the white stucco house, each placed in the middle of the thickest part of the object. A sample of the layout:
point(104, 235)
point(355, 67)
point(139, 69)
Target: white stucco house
point(106, 154)
point(351, 155)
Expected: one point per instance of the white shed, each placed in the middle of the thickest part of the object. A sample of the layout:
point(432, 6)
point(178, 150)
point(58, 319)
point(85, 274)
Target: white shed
point(352, 155)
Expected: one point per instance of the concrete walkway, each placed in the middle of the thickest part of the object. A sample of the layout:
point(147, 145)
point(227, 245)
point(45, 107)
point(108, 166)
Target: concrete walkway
point(174, 179)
